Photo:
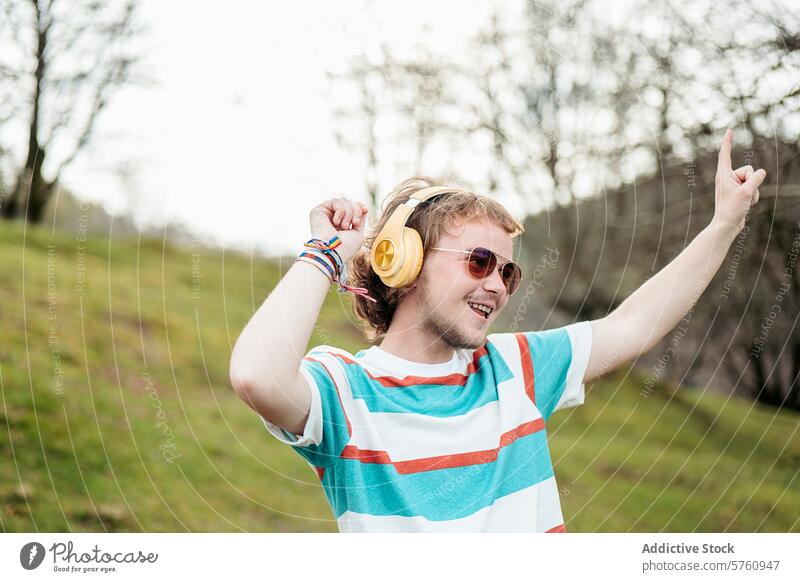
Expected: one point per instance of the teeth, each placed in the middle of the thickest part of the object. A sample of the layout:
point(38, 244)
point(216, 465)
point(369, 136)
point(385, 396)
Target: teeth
point(484, 308)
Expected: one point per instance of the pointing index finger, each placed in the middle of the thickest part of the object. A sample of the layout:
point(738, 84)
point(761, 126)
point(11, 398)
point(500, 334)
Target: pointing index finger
point(725, 151)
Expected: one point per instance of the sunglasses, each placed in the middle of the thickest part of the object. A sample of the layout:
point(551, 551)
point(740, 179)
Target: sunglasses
point(483, 262)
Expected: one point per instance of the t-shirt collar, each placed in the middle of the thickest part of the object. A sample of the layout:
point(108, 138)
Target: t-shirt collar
point(397, 366)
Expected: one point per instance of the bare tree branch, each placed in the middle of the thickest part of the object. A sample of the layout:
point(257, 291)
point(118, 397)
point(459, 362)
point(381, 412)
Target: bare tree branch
point(83, 52)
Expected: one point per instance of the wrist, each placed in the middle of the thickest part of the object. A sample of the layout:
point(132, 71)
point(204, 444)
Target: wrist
point(724, 232)
point(323, 254)
point(316, 267)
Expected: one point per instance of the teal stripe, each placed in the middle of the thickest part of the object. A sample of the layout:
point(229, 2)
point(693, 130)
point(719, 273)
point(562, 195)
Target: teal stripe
point(552, 354)
point(439, 495)
point(437, 400)
point(334, 424)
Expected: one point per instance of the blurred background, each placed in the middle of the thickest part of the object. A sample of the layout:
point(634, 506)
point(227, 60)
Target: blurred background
point(158, 161)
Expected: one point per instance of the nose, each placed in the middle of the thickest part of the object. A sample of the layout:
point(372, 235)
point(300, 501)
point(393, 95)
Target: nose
point(494, 283)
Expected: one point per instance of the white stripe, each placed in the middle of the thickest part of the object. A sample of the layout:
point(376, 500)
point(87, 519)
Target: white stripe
point(580, 337)
point(534, 509)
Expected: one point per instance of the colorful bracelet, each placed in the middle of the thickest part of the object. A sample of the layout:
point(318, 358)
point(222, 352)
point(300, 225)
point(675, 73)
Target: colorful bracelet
point(324, 255)
point(316, 265)
point(328, 269)
point(329, 249)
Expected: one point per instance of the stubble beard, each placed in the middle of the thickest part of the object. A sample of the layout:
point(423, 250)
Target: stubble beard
point(437, 327)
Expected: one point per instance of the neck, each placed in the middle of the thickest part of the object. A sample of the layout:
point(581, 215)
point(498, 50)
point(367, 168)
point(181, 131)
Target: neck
point(406, 338)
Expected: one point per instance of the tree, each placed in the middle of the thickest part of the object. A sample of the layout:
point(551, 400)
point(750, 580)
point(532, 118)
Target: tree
point(572, 103)
point(379, 92)
point(61, 63)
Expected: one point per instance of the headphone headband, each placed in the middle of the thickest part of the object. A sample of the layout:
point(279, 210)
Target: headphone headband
point(397, 249)
point(431, 191)
point(402, 213)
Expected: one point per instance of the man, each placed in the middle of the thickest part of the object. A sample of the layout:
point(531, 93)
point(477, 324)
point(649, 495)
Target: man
point(441, 427)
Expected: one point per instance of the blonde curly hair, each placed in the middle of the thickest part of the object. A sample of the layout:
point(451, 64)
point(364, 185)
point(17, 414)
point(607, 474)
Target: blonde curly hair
point(430, 219)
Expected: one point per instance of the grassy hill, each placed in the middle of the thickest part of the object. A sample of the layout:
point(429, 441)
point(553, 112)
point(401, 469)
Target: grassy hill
point(116, 413)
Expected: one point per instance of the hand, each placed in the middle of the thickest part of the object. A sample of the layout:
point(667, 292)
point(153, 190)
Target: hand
point(736, 191)
point(340, 216)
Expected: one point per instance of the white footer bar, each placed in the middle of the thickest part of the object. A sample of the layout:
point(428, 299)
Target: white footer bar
point(388, 557)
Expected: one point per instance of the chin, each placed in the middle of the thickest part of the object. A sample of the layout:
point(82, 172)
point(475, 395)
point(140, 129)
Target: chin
point(476, 340)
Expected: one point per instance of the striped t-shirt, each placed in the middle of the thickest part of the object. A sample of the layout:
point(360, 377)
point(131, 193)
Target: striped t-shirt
point(401, 446)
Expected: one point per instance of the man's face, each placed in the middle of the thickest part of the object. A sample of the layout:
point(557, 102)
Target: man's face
point(445, 286)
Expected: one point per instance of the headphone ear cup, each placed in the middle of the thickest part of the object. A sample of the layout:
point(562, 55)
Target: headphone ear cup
point(412, 260)
point(414, 256)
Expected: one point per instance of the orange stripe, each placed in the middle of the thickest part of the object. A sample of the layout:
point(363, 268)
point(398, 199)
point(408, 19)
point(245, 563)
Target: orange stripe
point(558, 529)
point(443, 461)
point(527, 366)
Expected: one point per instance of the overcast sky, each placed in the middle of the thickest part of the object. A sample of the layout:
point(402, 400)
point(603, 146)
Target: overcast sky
point(236, 138)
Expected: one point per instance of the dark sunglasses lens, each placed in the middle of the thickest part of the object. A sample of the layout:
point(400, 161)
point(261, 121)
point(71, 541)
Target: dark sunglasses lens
point(511, 275)
point(481, 262)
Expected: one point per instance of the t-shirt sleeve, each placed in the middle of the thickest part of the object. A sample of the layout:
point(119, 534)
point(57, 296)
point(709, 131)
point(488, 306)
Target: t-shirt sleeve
point(327, 429)
point(558, 358)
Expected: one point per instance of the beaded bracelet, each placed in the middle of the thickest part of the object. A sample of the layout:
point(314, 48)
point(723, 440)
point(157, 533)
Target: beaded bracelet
point(324, 255)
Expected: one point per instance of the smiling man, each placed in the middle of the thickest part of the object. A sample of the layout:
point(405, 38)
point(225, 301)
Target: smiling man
point(441, 426)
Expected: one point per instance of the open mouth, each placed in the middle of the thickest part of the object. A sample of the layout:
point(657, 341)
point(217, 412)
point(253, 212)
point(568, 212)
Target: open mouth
point(482, 311)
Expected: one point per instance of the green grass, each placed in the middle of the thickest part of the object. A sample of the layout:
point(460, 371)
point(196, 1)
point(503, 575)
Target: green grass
point(676, 461)
point(86, 456)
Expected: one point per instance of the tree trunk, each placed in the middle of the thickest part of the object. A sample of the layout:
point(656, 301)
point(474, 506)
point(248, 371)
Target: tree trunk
point(10, 203)
point(31, 191)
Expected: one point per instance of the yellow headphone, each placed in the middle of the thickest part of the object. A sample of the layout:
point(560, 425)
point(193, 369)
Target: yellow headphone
point(397, 249)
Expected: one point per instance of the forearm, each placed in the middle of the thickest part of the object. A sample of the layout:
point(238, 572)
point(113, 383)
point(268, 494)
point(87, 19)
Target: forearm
point(657, 306)
point(271, 347)
point(660, 303)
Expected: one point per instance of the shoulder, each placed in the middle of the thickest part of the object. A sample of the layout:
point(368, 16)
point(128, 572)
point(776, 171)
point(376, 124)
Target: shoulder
point(334, 361)
point(329, 353)
point(574, 333)
point(567, 341)
point(506, 343)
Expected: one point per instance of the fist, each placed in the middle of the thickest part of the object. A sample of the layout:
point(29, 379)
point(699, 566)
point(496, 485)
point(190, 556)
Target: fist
point(342, 217)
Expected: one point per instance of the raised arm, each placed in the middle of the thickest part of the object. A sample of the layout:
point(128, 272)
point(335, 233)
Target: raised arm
point(265, 363)
point(658, 305)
